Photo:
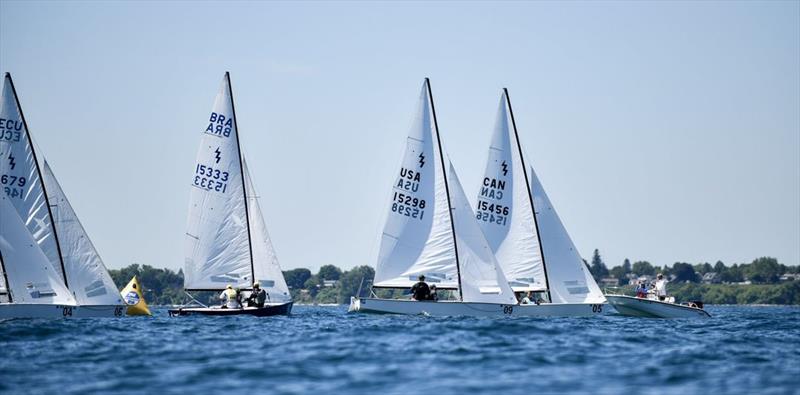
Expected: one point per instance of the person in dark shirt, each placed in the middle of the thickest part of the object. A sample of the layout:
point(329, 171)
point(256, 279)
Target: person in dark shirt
point(257, 297)
point(420, 290)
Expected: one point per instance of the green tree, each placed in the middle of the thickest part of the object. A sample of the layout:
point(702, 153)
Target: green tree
point(296, 278)
point(764, 270)
point(643, 268)
point(626, 266)
point(329, 272)
point(684, 272)
point(719, 267)
point(598, 268)
point(352, 280)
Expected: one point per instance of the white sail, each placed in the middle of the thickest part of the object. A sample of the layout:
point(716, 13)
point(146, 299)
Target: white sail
point(504, 209)
point(570, 280)
point(87, 275)
point(265, 262)
point(417, 236)
point(482, 279)
point(31, 275)
point(19, 176)
point(217, 248)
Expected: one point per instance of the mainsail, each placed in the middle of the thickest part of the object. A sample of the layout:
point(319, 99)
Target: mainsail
point(430, 229)
point(504, 209)
point(226, 239)
point(417, 236)
point(527, 236)
point(32, 279)
point(21, 178)
point(87, 275)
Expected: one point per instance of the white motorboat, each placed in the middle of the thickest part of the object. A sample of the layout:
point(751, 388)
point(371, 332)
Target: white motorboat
point(654, 308)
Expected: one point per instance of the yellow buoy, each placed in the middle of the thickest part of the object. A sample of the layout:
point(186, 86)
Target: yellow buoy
point(132, 295)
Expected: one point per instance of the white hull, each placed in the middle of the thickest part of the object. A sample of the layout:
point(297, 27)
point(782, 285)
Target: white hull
point(474, 309)
point(13, 310)
point(640, 307)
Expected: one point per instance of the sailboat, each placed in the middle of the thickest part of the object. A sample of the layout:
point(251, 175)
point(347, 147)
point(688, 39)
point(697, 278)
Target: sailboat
point(430, 230)
point(226, 240)
point(50, 266)
point(524, 231)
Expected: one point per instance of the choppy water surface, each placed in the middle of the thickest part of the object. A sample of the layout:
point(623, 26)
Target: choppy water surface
point(325, 350)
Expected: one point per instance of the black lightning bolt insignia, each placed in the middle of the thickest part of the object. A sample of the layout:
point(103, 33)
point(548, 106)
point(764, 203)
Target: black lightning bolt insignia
point(421, 159)
point(218, 154)
point(11, 161)
point(505, 168)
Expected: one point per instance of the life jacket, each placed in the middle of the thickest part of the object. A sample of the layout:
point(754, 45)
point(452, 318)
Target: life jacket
point(230, 294)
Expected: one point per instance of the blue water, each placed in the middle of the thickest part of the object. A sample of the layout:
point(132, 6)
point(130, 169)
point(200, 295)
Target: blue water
point(323, 350)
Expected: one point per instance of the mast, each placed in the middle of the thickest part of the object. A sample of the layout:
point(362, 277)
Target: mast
point(530, 196)
point(5, 277)
point(244, 187)
point(446, 187)
point(41, 181)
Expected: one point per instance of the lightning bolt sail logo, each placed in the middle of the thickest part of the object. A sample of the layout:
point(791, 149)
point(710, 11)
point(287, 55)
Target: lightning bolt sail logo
point(218, 154)
point(11, 161)
point(505, 168)
point(421, 159)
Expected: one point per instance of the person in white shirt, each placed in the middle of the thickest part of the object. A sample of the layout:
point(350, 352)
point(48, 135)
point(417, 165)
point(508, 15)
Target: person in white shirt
point(529, 299)
point(661, 287)
point(230, 298)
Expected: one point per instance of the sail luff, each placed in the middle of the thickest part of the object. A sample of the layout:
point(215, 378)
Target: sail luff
point(241, 170)
point(446, 186)
point(530, 195)
point(41, 179)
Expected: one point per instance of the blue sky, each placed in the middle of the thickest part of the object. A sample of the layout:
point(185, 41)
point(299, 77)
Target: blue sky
point(663, 131)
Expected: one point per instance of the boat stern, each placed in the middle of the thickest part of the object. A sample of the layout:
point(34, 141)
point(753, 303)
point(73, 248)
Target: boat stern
point(355, 304)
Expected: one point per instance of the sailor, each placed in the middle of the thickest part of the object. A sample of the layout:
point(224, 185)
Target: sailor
point(420, 290)
point(257, 297)
point(433, 296)
point(528, 299)
point(641, 290)
point(661, 287)
point(229, 298)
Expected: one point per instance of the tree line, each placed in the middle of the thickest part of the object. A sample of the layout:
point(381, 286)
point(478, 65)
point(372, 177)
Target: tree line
point(764, 270)
point(331, 284)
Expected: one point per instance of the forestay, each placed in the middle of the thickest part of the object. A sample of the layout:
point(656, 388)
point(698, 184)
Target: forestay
point(217, 245)
point(265, 262)
point(87, 275)
point(570, 280)
point(504, 210)
point(417, 236)
point(31, 275)
point(20, 177)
